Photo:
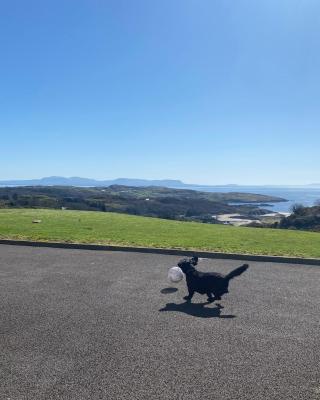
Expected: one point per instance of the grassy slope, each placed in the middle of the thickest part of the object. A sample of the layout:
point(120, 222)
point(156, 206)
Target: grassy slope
point(120, 229)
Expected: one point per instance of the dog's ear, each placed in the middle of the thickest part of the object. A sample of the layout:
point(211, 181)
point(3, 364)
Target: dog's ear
point(194, 260)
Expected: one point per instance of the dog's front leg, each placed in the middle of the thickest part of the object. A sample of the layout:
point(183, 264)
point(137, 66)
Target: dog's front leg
point(190, 295)
point(210, 298)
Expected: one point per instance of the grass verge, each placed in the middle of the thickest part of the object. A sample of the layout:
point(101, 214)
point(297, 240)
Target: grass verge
point(120, 229)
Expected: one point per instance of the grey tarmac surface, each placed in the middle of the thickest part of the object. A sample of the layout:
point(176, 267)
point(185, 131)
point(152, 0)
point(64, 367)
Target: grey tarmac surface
point(78, 324)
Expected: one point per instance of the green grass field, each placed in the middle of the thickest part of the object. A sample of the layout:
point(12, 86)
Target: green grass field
point(121, 229)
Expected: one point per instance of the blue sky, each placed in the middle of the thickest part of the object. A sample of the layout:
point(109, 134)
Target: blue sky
point(205, 91)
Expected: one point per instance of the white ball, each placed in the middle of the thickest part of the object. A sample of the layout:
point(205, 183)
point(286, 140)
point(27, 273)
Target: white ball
point(175, 274)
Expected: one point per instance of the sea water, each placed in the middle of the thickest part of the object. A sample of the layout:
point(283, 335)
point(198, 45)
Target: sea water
point(305, 196)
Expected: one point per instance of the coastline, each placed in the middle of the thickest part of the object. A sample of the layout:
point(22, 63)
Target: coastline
point(240, 220)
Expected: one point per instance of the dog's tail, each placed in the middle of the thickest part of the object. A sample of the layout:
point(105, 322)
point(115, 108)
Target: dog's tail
point(238, 271)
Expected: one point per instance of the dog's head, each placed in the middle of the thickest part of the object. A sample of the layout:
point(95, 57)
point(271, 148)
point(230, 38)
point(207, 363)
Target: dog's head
point(187, 264)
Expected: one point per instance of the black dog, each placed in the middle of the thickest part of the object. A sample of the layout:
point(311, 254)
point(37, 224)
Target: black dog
point(210, 283)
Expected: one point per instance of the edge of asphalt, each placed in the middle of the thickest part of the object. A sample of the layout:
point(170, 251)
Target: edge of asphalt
point(153, 250)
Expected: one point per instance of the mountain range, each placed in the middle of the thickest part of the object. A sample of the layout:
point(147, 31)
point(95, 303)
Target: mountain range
point(88, 182)
point(77, 181)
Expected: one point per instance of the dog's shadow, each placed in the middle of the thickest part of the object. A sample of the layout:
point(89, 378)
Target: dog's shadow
point(196, 310)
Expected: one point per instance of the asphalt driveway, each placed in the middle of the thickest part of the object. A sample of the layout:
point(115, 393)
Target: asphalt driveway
point(78, 324)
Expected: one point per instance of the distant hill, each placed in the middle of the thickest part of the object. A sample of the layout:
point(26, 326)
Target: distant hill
point(170, 183)
point(82, 182)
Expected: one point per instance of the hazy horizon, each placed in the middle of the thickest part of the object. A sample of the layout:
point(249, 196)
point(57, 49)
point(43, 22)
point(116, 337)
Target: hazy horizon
point(162, 179)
